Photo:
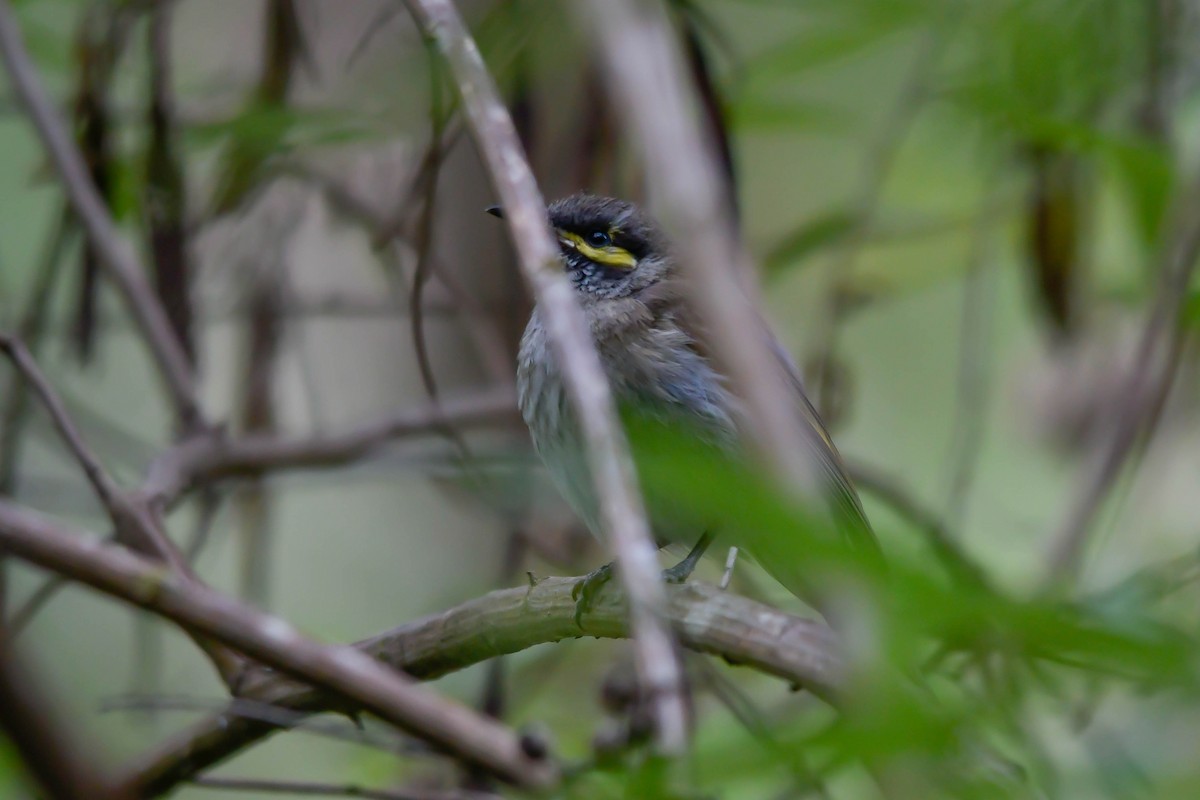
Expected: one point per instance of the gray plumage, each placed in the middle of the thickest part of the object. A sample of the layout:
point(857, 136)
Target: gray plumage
point(650, 355)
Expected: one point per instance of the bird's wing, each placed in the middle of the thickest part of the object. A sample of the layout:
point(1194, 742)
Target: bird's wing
point(847, 508)
point(843, 499)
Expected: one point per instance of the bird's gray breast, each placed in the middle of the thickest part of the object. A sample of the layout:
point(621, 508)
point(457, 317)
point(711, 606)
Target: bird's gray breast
point(655, 370)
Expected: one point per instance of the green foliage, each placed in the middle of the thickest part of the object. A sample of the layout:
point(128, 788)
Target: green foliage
point(10, 771)
point(949, 673)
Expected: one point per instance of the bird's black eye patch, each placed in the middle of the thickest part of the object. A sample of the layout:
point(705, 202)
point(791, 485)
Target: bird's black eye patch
point(599, 239)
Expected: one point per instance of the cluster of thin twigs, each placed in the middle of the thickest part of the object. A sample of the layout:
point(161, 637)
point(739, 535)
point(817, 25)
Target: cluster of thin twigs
point(141, 564)
point(265, 662)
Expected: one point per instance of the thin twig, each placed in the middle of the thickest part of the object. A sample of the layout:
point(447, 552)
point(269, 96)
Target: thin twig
point(135, 525)
point(166, 185)
point(344, 671)
point(730, 562)
point(686, 190)
point(335, 790)
point(207, 458)
point(105, 488)
point(974, 363)
point(1150, 377)
point(622, 514)
point(283, 718)
point(25, 613)
point(881, 157)
point(14, 412)
point(31, 329)
point(116, 255)
point(424, 233)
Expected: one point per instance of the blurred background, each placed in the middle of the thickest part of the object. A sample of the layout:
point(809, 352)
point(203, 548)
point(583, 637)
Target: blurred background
point(958, 209)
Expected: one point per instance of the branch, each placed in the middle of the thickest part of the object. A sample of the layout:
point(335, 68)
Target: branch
point(296, 789)
point(116, 255)
point(342, 671)
point(209, 457)
point(707, 620)
point(622, 514)
point(106, 490)
point(1135, 407)
point(647, 85)
point(136, 523)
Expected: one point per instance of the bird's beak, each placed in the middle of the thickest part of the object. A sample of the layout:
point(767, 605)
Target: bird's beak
point(495, 211)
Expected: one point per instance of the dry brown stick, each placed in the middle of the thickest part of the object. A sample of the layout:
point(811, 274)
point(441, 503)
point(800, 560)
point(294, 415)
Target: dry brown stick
point(646, 80)
point(622, 514)
point(116, 254)
point(706, 619)
point(1151, 374)
point(341, 670)
point(50, 753)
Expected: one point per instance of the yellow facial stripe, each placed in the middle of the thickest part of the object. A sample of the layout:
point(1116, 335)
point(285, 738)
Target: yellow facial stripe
point(610, 256)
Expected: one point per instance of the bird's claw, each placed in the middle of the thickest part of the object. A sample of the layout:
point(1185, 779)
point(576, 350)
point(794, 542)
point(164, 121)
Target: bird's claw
point(678, 573)
point(587, 589)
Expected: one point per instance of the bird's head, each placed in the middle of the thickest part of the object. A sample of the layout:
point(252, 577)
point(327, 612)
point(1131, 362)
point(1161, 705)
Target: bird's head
point(610, 248)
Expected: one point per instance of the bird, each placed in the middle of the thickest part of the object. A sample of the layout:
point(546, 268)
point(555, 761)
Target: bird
point(627, 282)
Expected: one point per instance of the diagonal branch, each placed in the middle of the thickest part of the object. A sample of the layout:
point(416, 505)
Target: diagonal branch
point(137, 523)
point(622, 513)
point(106, 490)
point(342, 671)
point(736, 629)
point(116, 254)
point(645, 72)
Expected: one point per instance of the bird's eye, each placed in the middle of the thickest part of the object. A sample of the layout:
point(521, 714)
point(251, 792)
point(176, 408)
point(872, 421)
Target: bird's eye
point(599, 239)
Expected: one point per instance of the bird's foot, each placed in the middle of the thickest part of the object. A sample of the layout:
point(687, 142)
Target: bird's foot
point(680, 572)
point(585, 592)
point(684, 569)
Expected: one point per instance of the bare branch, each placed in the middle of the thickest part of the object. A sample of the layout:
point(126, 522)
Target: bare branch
point(706, 619)
point(206, 458)
point(137, 524)
point(106, 490)
point(646, 78)
point(343, 671)
point(116, 255)
point(1151, 375)
point(297, 789)
point(622, 514)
